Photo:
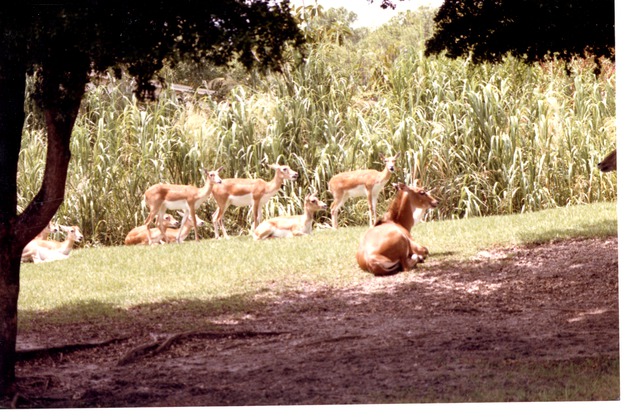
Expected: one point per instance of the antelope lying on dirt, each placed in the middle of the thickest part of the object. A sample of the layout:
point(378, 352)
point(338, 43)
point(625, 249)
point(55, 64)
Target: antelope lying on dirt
point(242, 192)
point(173, 234)
point(360, 183)
point(140, 236)
point(609, 163)
point(388, 247)
point(188, 198)
point(42, 250)
point(289, 226)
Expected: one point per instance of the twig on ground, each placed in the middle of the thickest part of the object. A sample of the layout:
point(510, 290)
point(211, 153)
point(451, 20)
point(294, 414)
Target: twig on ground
point(34, 353)
point(157, 347)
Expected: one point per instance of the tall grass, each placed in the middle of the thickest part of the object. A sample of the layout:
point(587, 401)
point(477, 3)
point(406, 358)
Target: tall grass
point(490, 139)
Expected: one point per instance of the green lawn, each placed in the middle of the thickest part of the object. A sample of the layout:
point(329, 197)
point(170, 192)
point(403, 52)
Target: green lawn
point(231, 272)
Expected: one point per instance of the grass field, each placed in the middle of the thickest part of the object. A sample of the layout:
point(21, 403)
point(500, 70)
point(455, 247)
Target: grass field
point(96, 281)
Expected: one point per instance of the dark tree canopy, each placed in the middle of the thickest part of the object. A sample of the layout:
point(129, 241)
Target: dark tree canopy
point(141, 36)
point(532, 30)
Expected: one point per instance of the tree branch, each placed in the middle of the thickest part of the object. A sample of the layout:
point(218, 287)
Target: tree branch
point(60, 117)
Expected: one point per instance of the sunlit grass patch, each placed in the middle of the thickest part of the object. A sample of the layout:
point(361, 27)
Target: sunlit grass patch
point(241, 268)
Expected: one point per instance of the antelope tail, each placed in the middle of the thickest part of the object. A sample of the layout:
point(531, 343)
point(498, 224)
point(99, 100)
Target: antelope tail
point(382, 266)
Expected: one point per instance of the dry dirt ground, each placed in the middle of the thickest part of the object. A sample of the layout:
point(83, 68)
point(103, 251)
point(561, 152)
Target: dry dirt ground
point(506, 322)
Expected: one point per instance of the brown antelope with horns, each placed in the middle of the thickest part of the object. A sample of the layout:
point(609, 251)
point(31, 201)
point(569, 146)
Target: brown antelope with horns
point(241, 192)
point(609, 163)
point(188, 198)
point(388, 247)
point(289, 226)
point(360, 183)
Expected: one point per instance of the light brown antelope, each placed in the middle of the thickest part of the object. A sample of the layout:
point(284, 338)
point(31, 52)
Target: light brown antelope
point(40, 250)
point(609, 163)
point(360, 183)
point(50, 228)
point(188, 198)
point(172, 234)
point(289, 226)
point(241, 192)
point(140, 236)
point(388, 247)
point(31, 248)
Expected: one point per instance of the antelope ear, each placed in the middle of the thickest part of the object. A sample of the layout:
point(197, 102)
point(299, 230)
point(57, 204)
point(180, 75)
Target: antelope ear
point(274, 165)
point(181, 213)
point(220, 169)
point(403, 186)
point(397, 155)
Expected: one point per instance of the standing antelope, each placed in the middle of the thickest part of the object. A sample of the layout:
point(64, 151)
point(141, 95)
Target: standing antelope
point(40, 250)
point(140, 236)
point(360, 183)
point(609, 163)
point(388, 247)
point(172, 234)
point(289, 226)
point(161, 197)
point(242, 192)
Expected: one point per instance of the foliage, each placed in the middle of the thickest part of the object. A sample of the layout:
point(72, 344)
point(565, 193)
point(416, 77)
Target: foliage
point(103, 35)
point(489, 138)
point(532, 30)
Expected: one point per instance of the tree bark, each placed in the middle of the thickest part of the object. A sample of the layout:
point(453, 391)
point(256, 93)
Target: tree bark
point(61, 107)
point(12, 87)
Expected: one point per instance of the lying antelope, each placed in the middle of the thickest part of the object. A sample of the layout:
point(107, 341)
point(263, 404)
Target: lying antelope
point(40, 250)
point(289, 226)
point(31, 248)
point(50, 228)
point(171, 235)
point(609, 163)
point(188, 198)
point(242, 192)
point(388, 247)
point(360, 183)
point(140, 236)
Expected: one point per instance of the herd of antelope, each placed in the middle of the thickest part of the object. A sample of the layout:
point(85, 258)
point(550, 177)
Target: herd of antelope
point(387, 247)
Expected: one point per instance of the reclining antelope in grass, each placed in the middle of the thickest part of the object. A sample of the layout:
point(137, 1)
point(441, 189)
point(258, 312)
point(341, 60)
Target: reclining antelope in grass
point(609, 163)
point(175, 236)
point(44, 250)
point(241, 192)
point(30, 249)
point(188, 198)
point(140, 236)
point(388, 247)
point(360, 183)
point(289, 226)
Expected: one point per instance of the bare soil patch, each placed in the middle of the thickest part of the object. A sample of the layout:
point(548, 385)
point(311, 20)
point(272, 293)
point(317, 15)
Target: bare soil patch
point(517, 323)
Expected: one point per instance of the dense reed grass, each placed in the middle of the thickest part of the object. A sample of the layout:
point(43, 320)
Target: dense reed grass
point(490, 139)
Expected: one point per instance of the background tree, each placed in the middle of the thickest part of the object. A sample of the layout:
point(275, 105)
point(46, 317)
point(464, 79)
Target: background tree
point(62, 45)
point(533, 30)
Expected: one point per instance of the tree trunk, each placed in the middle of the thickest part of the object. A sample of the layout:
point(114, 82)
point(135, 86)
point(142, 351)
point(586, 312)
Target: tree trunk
point(12, 87)
point(61, 106)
